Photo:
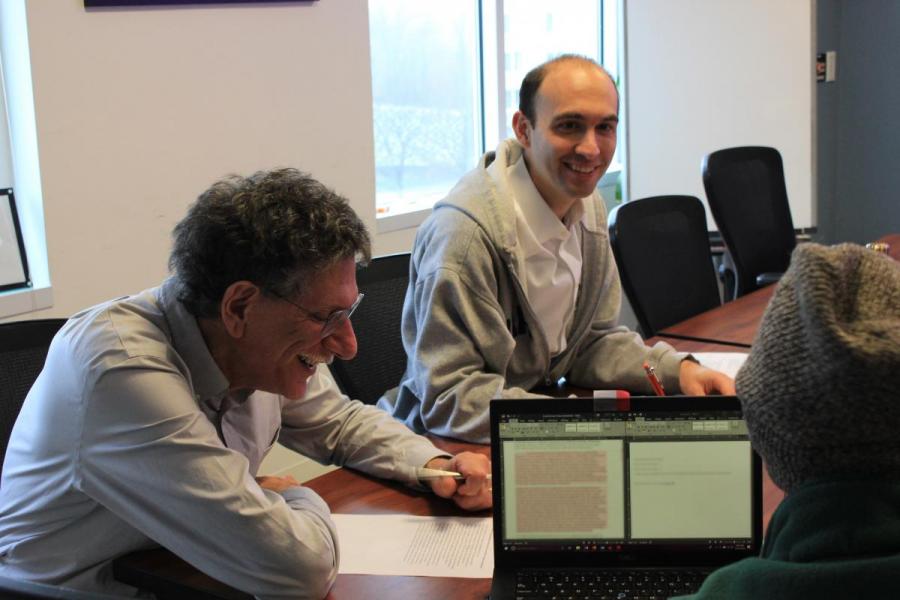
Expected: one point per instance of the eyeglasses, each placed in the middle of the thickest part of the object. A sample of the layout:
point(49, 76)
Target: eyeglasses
point(329, 323)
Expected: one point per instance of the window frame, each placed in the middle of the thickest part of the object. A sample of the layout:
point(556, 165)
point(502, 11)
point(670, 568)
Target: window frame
point(492, 79)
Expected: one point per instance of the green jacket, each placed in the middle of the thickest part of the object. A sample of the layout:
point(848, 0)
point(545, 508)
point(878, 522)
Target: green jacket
point(468, 329)
point(837, 539)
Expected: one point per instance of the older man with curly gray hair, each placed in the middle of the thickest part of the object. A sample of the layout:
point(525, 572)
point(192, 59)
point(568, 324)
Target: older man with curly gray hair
point(153, 412)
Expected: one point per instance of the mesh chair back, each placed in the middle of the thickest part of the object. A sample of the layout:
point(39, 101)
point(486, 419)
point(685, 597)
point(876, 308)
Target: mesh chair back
point(23, 349)
point(381, 358)
point(661, 246)
point(748, 199)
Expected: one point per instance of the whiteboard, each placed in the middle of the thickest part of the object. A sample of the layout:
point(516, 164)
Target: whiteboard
point(701, 75)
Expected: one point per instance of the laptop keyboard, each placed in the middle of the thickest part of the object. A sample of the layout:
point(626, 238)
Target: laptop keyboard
point(625, 584)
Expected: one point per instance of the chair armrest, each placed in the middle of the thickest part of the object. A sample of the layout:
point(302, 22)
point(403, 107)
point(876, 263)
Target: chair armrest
point(729, 280)
point(767, 278)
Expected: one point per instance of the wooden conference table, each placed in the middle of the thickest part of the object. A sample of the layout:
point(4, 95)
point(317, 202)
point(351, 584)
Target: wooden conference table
point(731, 324)
point(735, 323)
point(730, 327)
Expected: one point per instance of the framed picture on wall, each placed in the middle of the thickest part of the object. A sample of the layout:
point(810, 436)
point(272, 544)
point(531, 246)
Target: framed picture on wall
point(13, 264)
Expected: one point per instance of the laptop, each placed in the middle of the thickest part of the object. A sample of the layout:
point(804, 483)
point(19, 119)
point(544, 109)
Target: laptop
point(620, 498)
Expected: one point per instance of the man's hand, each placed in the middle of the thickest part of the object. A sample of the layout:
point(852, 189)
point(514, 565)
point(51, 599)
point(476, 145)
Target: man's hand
point(472, 494)
point(697, 380)
point(276, 483)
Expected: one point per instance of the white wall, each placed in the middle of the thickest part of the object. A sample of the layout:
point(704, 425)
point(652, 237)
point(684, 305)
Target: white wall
point(139, 110)
point(708, 74)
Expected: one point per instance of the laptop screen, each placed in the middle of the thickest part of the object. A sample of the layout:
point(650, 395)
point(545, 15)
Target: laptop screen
point(653, 477)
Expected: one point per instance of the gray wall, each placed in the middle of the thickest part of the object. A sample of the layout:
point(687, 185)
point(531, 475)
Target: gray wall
point(858, 126)
point(828, 19)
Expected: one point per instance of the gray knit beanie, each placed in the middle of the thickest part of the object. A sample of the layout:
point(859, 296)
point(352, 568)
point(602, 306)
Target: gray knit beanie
point(820, 387)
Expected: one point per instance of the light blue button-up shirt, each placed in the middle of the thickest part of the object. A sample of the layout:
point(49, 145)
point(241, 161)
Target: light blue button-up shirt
point(130, 438)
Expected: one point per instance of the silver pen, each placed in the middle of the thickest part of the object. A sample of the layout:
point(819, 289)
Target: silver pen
point(424, 473)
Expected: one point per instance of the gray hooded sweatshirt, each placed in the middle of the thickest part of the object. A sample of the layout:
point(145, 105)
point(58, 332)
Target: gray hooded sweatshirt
point(469, 332)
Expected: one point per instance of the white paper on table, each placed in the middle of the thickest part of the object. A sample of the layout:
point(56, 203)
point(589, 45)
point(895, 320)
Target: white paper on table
point(396, 544)
point(726, 362)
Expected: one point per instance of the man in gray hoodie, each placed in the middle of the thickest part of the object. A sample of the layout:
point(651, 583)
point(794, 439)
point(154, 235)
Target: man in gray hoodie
point(512, 279)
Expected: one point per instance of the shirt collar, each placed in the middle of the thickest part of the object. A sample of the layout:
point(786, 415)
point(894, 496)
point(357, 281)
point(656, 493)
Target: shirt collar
point(210, 384)
point(542, 221)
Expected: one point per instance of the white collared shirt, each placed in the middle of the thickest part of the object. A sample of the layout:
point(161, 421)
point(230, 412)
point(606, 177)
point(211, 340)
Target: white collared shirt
point(552, 250)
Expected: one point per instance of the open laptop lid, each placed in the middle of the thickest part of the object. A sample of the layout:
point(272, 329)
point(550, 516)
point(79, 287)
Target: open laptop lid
point(650, 481)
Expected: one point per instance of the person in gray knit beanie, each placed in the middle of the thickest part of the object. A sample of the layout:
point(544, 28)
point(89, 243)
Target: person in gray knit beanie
point(820, 387)
point(820, 396)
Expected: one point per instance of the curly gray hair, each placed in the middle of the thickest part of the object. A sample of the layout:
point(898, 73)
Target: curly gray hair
point(274, 228)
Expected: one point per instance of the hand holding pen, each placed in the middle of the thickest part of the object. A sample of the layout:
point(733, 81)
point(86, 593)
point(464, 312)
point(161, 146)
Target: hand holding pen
point(464, 478)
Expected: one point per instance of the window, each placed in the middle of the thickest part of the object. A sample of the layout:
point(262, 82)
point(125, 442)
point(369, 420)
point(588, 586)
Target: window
point(426, 99)
point(445, 84)
point(535, 33)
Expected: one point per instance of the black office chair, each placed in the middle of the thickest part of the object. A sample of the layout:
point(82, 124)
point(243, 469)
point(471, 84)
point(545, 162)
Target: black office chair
point(661, 246)
point(16, 589)
point(748, 200)
point(381, 358)
point(23, 349)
